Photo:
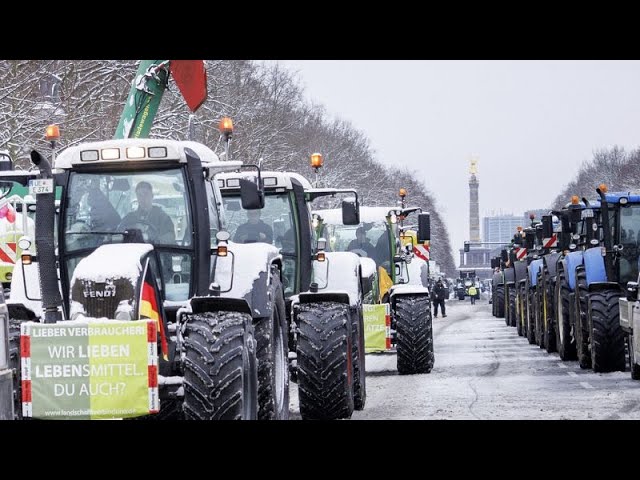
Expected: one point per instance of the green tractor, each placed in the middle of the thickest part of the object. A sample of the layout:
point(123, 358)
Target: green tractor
point(402, 264)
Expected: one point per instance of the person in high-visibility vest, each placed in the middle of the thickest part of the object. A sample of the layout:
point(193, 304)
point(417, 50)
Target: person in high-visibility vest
point(472, 293)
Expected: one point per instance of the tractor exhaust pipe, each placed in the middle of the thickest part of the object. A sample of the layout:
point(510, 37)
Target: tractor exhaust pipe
point(45, 215)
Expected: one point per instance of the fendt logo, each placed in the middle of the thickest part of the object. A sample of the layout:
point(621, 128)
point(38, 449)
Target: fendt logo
point(98, 290)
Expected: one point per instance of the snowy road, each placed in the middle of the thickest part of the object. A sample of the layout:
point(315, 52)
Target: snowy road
point(484, 370)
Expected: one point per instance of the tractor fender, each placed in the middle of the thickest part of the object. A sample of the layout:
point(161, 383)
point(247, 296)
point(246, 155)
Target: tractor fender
point(245, 274)
point(339, 274)
point(594, 265)
point(551, 262)
point(215, 304)
point(404, 290)
point(520, 271)
point(509, 276)
point(572, 260)
point(319, 297)
point(534, 268)
point(599, 286)
point(497, 279)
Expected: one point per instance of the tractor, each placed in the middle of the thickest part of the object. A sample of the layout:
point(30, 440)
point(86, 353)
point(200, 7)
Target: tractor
point(323, 290)
point(220, 305)
point(401, 257)
point(610, 261)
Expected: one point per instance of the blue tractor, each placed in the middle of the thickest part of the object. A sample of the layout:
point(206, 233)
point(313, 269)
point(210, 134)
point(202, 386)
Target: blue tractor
point(562, 270)
point(610, 260)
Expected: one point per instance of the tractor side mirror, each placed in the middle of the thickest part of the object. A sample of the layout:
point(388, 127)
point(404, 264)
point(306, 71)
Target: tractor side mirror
point(547, 226)
point(504, 255)
point(495, 263)
point(424, 227)
point(251, 194)
point(350, 211)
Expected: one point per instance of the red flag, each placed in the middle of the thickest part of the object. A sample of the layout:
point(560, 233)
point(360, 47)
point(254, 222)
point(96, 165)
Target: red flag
point(191, 78)
point(149, 309)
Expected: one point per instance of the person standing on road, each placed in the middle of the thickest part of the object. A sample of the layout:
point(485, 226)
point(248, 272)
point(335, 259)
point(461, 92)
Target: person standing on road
point(472, 293)
point(439, 292)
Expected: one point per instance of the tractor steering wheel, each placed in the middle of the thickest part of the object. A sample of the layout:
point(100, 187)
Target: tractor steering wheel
point(149, 231)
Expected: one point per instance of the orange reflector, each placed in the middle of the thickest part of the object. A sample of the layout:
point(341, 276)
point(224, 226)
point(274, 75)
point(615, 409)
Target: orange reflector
point(519, 229)
point(603, 187)
point(575, 200)
point(320, 257)
point(222, 250)
point(316, 160)
point(403, 192)
point(226, 125)
point(26, 258)
point(52, 133)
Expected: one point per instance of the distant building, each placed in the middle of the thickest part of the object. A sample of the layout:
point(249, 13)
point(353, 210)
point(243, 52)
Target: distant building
point(501, 228)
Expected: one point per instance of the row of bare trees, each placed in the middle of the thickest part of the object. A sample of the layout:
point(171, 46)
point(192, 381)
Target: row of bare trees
point(273, 121)
point(616, 168)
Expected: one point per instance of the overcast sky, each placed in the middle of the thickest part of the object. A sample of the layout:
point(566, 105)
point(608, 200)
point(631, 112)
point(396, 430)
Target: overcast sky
point(530, 123)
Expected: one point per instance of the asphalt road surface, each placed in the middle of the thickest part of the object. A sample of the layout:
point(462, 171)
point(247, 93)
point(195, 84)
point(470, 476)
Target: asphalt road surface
point(484, 370)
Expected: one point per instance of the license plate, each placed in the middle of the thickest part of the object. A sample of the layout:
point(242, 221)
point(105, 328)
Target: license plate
point(44, 185)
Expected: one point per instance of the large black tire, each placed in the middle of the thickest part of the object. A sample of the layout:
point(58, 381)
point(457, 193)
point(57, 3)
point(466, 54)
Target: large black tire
point(14, 364)
point(325, 361)
point(518, 312)
point(530, 313)
point(513, 310)
point(499, 300)
point(415, 334)
point(550, 341)
point(582, 331)
point(220, 368)
point(273, 357)
point(539, 311)
point(359, 370)
point(607, 336)
point(635, 368)
point(566, 348)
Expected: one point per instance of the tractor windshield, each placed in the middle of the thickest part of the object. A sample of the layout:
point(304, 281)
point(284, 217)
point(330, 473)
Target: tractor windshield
point(274, 224)
point(367, 240)
point(629, 238)
point(151, 206)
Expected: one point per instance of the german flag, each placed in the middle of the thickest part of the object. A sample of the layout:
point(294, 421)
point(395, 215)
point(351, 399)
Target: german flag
point(149, 302)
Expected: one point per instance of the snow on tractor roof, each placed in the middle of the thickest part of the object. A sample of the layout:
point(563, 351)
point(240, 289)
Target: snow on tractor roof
point(137, 149)
point(270, 180)
point(333, 216)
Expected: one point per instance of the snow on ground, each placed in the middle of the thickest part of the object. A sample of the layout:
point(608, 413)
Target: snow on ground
point(484, 370)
